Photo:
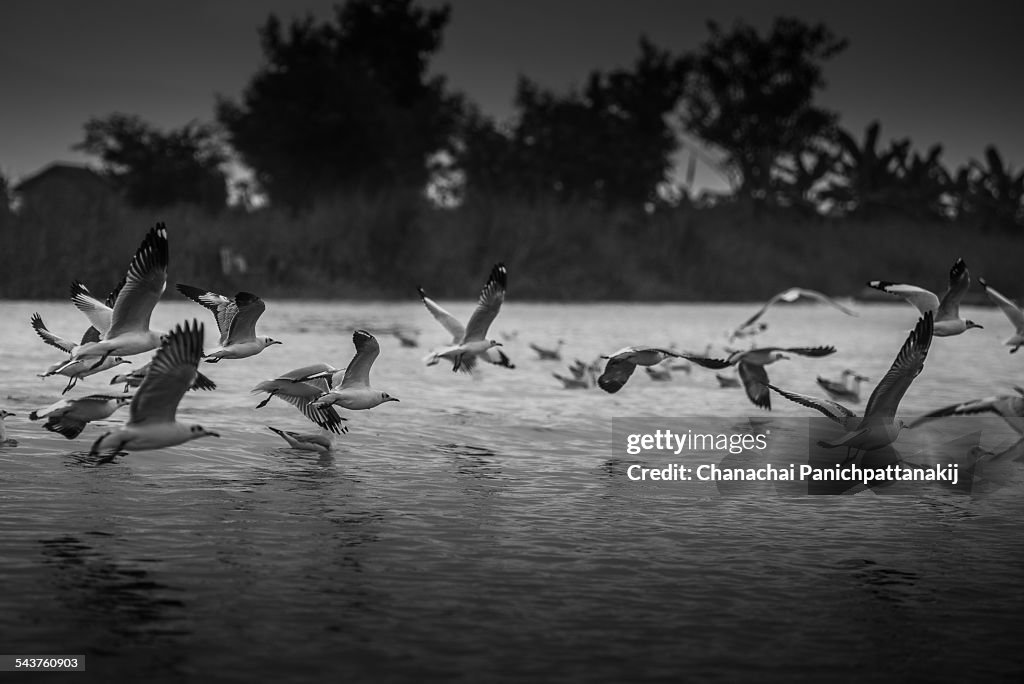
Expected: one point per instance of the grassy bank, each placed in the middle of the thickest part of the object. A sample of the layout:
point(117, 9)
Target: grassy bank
point(383, 247)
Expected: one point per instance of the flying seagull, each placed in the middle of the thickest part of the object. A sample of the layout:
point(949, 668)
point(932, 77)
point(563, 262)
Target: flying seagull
point(472, 344)
point(947, 311)
point(750, 326)
point(300, 394)
point(73, 370)
point(354, 392)
point(622, 363)
point(1012, 312)
point(751, 363)
point(1009, 406)
point(236, 321)
point(879, 426)
point(69, 417)
point(152, 423)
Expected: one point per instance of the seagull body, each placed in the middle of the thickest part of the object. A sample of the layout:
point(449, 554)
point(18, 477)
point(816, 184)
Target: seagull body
point(751, 327)
point(1009, 406)
point(73, 370)
point(4, 440)
point(622, 363)
point(847, 387)
point(945, 311)
point(236, 321)
point(69, 417)
point(546, 354)
point(470, 343)
point(305, 441)
point(751, 363)
point(354, 392)
point(152, 424)
point(878, 427)
point(1012, 312)
point(300, 393)
point(129, 331)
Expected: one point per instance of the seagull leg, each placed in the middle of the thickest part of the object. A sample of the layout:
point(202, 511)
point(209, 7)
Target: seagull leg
point(264, 402)
point(71, 383)
point(100, 362)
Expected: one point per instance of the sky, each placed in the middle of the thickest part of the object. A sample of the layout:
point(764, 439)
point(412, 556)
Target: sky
point(937, 72)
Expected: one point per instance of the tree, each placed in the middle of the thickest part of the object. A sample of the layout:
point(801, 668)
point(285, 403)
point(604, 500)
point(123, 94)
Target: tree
point(869, 177)
point(752, 97)
point(610, 142)
point(992, 193)
point(155, 169)
point(344, 106)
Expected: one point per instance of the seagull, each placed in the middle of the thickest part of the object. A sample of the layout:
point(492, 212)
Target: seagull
point(354, 392)
point(727, 381)
point(472, 343)
point(4, 440)
point(152, 423)
point(236, 321)
point(300, 394)
point(306, 442)
point(1009, 406)
point(947, 312)
point(1012, 312)
point(545, 354)
point(73, 370)
point(751, 363)
point(662, 374)
point(572, 383)
point(847, 387)
point(129, 331)
point(622, 363)
point(68, 417)
point(135, 378)
point(749, 327)
point(879, 426)
point(407, 339)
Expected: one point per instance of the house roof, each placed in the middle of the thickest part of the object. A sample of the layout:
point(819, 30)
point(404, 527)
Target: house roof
point(73, 172)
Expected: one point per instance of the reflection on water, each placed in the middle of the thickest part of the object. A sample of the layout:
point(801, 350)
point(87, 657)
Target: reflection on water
point(485, 530)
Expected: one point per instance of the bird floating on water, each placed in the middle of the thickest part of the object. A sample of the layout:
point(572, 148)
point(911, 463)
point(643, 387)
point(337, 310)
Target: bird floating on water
point(847, 387)
point(548, 354)
point(236, 321)
point(947, 311)
point(4, 439)
point(305, 441)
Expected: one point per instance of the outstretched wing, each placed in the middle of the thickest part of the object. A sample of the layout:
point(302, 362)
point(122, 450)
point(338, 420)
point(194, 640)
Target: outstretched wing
point(48, 337)
point(487, 308)
point(829, 409)
point(814, 352)
point(959, 283)
point(145, 282)
point(358, 372)
point(223, 308)
point(924, 300)
point(706, 362)
point(616, 373)
point(450, 323)
point(171, 373)
point(755, 382)
point(248, 309)
point(98, 313)
point(908, 364)
point(1011, 310)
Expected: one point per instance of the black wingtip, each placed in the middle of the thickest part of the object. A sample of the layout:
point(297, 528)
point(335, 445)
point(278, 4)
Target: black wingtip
point(957, 270)
point(423, 295)
point(499, 274)
point(982, 281)
point(245, 299)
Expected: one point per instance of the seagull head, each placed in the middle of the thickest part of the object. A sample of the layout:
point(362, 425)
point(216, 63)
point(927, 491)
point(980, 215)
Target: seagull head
point(494, 343)
point(779, 356)
point(972, 324)
point(267, 341)
point(121, 401)
point(4, 414)
point(197, 431)
point(384, 396)
point(118, 361)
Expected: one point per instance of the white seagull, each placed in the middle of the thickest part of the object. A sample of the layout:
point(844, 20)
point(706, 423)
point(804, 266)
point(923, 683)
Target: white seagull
point(879, 426)
point(129, 331)
point(749, 327)
point(473, 342)
point(622, 363)
point(4, 440)
point(291, 388)
point(548, 354)
point(847, 387)
point(73, 370)
point(1009, 406)
point(305, 441)
point(236, 321)
point(69, 417)
point(947, 311)
point(152, 423)
point(354, 391)
point(1012, 312)
point(751, 363)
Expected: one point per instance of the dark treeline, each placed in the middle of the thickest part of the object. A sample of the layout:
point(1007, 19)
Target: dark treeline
point(363, 163)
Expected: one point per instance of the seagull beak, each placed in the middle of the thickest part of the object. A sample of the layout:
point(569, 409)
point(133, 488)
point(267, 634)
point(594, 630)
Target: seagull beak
point(393, 399)
point(277, 342)
point(212, 434)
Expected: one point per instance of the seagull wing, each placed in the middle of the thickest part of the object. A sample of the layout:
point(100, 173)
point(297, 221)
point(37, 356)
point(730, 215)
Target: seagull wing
point(491, 298)
point(170, 375)
point(966, 408)
point(242, 328)
point(616, 373)
point(324, 416)
point(829, 409)
point(921, 298)
point(358, 372)
point(755, 382)
point(815, 352)
point(223, 308)
point(714, 364)
point(959, 283)
point(450, 323)
point(98, 313)
point(146, 280)
point(1011, 310)
point(48, 337)
point(908, 364)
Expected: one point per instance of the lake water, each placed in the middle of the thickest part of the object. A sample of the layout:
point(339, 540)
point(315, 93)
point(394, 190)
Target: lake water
point(484, 529)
